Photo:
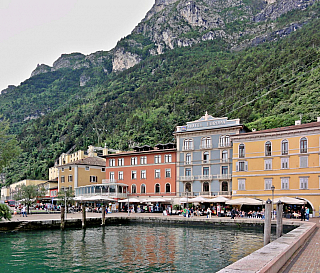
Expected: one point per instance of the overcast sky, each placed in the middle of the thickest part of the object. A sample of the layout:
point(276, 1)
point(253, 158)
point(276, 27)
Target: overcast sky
point(38, 31)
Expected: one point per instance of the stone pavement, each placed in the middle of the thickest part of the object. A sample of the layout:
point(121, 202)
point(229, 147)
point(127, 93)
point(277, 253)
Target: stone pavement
point(308, 257)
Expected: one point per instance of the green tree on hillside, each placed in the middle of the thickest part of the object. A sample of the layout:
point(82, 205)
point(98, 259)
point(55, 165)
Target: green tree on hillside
point(9, 148)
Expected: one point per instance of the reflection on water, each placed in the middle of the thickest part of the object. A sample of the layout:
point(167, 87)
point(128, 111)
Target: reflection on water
point(127, 248)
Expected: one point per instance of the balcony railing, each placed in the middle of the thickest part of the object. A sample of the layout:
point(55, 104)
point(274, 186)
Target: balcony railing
point(206, 194)
point(186, 178)
point(206, 146)
point(224, 176)
point(225, 145)
point(225, 160)
point(105, 181)
point(204, 177)
point(187, 148)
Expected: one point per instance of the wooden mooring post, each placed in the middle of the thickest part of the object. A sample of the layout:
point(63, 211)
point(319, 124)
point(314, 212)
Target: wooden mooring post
point(267, 222)
point(83, 215)
point(279, 219)
point(103, 215)
point(62, 224)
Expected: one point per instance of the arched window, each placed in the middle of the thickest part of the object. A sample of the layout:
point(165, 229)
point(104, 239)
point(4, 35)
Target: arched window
point(303, 145)
point(224, 186)
point(241, 151)
point(224, 156)
point(143, 188)
point(224, 141)
point(205, 187)
point(157, 188)
point(268, 148)
point(188, 187)
point(168, 188)
point(284, 147)
point(206, 143)
point(133, 189)
point(206, 157)
point(188, 144)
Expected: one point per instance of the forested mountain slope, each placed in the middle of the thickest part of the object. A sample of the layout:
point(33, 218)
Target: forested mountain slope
point(268, 85)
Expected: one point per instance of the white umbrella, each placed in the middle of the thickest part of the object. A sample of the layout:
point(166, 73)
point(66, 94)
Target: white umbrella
point(198, 199)
point(183, 200)
point(153, 200)
point(219, 199)
point(245, 201)
point(98, 198)
point(131, 200)
point(289, 200)
point(79, 198)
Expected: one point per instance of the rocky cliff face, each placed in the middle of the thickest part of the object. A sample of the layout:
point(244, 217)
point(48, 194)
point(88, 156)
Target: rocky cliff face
point(181, 23)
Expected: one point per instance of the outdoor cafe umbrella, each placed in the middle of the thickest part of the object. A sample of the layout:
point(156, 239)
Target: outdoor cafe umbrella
point(154, 200)
point(98, 198)
point(289, 200)
point(245, 201)
point(219, 199)
point(198, 199)
point(131, 200)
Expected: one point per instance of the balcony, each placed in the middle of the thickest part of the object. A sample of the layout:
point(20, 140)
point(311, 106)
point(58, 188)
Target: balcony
point(186, 178)
point(224, 176)
point(225, 160)
point(105, 181)
point(204, 177)
point(206, 146)
point(187, 148)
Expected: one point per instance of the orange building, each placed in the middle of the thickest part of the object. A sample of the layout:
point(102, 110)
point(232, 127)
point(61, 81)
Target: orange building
point(147, 171)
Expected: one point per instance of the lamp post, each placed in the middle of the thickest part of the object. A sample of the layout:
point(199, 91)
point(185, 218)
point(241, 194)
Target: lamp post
point(187, 197)
point(128, 203)
point(272, 189)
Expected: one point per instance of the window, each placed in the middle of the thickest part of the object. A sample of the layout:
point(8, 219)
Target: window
point(157, 173)
point(188, 171)
point(205, 171)
point(143, 174)
point(62, 169)
point(167, 158)
point(242, 166)
point(241, 151)
point(120, 161)
point(157, 188)
point(69, 178)
point(284, 147)
point(168, 173)
point(284, 163)
point(303, 161)
point(93, 179)
point(284, 183)
point(120, 175)
point(206, 157)
point(143, 188)
point(62, 179)
point(268, 164)
point(303, 145)
point(134, 160)
point(188, 187)
point(303, 183)
point(224, 170)
point(133, 188)
point(143, 160)
point(206, 143)
point(224, 156)
point(111, 175)
point(267, 183)
point(241, 184)
point(205, 187)
point(168, 188)
point(133, 174)
point(103, 169)
point(268, 148)
point(70, 168)
point(224, 141)
point(225, 186)
point(188, 159)
point(157, 159)
point(87, 168)
point(112, 162)
point(187, 144)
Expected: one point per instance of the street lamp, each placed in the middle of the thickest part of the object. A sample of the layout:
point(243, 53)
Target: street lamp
point(187, 191)
point(272, 189)
point(128, 203)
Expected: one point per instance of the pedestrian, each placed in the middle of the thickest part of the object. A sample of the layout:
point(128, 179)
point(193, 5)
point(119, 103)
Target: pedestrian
point(233, 213)
point(24, 212)
point(307, 214)
point(302, 212)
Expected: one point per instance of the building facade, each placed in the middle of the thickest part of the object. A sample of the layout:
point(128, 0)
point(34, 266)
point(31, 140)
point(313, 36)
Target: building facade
point(147, 171)
point(287, 158)
point(87, 171)
point(204, 156)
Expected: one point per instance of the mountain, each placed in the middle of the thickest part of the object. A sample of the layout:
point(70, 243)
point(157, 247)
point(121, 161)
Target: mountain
point(263, 67)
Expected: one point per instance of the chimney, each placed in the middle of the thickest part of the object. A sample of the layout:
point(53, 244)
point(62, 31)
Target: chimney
point(297, 122)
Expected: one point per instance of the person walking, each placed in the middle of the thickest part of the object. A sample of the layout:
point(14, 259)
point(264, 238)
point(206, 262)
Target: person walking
point(302, 212)
point(24, 211)
point(307, 214)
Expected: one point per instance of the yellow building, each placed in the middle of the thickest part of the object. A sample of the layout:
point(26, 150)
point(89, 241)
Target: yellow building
point(87, 171)
point(13, 188)
point(287, 158)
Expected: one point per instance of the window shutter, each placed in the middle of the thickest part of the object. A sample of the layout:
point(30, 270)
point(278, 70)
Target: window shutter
point(237, 166)
point(246, 166)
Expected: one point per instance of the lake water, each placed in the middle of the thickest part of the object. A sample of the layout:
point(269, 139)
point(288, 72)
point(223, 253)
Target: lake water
point(127, 248)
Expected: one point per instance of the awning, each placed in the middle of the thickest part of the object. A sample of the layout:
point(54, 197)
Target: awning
point(131, 200)
point(289, 200)
point(155, 200)
point(198, 199)
point(94, 198)
point(245, 201)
